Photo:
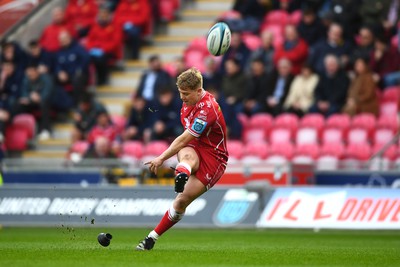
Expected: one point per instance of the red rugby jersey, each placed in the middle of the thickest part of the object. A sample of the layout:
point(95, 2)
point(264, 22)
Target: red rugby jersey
point(206, 122)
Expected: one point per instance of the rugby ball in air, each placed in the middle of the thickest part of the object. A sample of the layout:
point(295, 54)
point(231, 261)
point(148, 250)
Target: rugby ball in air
point(218, 39)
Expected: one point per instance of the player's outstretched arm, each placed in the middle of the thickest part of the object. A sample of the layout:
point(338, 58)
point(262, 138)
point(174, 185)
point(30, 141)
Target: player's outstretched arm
point(179, 143)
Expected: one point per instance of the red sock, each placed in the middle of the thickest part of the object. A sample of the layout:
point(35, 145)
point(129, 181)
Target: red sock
point(183, 167)
point(170, 218)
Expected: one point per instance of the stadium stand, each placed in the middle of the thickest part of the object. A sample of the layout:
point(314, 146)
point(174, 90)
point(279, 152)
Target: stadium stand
point(183, 44)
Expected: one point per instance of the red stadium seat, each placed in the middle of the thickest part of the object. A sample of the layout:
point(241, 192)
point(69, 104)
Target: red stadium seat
point(195, 58)
point(133, 149)
point(26, 122)
point(327, 163)
point(279, 136)
point(288, 121)
point(388, 109)
point(16, 138)
point(390, 153)
point(313, 120)
point(261, 121)
point(357, 136)
point(358, 151)
point(306, 136)
point(388, 122)
point(244, 120)
point(230, 14)
point(383, 136)
point(285, 150)
point(167, 10)
point(257, 149)
point(336, 150)
point(296, 17)
point(391, 94)
point(277, 17)
point(308, 150)
point(155, 148)
point(235, 149)
point(340, 121)
point(252, 41)
point(332, 135)
point(254, 135)
point(119, 121)
point(198, 43)
point(79, 147)
point(365, 121)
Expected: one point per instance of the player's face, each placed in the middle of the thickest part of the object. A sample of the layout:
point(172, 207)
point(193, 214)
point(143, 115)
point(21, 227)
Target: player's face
point(190, 97)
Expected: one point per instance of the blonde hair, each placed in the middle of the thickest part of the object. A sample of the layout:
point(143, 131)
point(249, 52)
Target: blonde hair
point(190, 79)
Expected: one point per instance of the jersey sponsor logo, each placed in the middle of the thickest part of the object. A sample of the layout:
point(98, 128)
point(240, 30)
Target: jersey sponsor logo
point(200, 105)
point(199, 125)
point(202, 117)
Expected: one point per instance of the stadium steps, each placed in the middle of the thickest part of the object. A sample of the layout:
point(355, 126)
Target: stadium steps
point(194, 21)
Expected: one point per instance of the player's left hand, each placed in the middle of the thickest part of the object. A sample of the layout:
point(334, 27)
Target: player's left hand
point(154, 164)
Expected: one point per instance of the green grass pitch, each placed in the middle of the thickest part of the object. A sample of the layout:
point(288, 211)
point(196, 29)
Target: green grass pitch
point(188, 247)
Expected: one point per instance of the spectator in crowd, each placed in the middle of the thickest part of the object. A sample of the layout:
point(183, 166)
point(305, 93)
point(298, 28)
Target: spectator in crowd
point(346, 13)
point(133, 16)
point(36, 94)
point(258, 82)
point(104, 127)
point(361, 96)
point(211, 76)
point(301, 92)
point(278, 87)
point(385, 63)
point(234, 83)
point(101, 149)
point(12, 52)
point(167, 122)
point(152, 79)
point(237, 50)
point(50, 36)
point(72, 66)
point(233, 125)
point(104, 44)
point(140, 121)
point(293, 48)
point(334, 44)
point(310, 27)
point(7, 83)
point(85, 116)
point(81, 14)
point(286, 5)
point(10, 83)
point(331, 92)
point(252, 13)
point(380, 13)
point(40, 57)
point(266, 51)
point(365, 44)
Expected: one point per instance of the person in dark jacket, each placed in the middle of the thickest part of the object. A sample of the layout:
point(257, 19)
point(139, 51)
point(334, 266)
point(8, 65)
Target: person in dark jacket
point(234, 83)
point(85, 116)
point(40, 57)
point(331, 91)
point(72, 66)
point(258, 82)
point(278, 87)
point(10, 83)
point(152, 79)
point(140, 121)
point(237, 50)
point(310, 27)
point(333, 44)
point(12, 52)
point(35, 96)
point(167, 123)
